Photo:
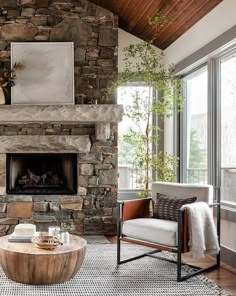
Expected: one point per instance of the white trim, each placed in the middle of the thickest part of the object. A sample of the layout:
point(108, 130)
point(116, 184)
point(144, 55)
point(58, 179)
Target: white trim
point(126, 194)
point(214, 49)
point(230, 206)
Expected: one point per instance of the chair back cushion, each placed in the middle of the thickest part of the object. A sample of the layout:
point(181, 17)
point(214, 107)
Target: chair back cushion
point(202, 192)
point(167, 207)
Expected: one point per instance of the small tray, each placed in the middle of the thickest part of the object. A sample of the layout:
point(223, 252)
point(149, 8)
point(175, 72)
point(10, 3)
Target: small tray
point(46, 242)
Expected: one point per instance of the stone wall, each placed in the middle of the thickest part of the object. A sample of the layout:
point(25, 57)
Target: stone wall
point(46, 129)
point(91, 210)
point(93, 30)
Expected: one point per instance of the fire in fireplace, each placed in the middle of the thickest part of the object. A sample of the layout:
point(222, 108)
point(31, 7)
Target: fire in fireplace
point(42, 173)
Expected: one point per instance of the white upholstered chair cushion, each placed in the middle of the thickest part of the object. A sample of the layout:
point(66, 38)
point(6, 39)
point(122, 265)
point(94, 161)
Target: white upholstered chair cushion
point(202, 192)
point(151, 230)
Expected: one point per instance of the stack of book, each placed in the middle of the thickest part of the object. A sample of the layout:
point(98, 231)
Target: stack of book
point(23, 233)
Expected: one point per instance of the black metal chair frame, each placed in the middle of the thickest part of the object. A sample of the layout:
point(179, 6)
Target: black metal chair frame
point(177, 249)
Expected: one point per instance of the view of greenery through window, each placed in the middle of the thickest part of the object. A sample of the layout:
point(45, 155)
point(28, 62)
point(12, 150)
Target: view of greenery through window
point(128, 174)
point(228, 128)
point(196, 132)
point(197, 155)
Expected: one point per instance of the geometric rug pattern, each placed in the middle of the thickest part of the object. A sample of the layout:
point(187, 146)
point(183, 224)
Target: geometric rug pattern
point(99, 276)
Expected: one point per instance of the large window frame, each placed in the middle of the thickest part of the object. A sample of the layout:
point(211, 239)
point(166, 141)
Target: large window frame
point(184, 128)
point(212, 61)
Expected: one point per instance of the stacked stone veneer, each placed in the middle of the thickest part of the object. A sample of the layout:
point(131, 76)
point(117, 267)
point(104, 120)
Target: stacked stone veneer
point(46, 129)
point(94, 33)
point(91, 210)
point(93, 30)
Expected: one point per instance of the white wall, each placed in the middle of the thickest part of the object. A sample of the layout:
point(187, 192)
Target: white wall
point(215, 23)
point(124, 40)
point(228, 237)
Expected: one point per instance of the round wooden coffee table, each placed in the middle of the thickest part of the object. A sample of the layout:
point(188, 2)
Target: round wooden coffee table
point(24, 263)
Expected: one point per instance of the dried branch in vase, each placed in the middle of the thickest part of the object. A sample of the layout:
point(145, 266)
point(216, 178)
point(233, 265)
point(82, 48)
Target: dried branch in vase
point(8, 77)
point(67, 227)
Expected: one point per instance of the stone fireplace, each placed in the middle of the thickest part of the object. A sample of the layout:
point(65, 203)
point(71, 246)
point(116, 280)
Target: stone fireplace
point(69, 175)
point(38, 173)
point(58, 163)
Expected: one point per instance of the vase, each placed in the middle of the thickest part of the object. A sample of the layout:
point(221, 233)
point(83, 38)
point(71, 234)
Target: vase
point(2, 97)
point(54, 231)
point(65, 237)
point(7, 94)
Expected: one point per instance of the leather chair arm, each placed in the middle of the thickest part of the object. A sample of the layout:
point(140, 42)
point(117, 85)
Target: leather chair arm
point(185, 233)
point(132, 209)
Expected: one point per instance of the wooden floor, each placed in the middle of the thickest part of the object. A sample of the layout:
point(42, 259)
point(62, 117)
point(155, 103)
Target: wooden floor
point(224, 277)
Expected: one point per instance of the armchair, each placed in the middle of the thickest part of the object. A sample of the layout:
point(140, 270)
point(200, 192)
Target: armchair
point(136, 225)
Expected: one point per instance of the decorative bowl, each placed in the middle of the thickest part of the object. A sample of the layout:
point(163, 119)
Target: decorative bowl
point(46, 242)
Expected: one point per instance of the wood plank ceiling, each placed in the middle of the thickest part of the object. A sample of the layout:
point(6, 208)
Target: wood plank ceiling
point(183, 14)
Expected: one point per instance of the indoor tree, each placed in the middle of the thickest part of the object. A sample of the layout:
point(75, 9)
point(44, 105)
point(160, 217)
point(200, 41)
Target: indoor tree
point(143, 64)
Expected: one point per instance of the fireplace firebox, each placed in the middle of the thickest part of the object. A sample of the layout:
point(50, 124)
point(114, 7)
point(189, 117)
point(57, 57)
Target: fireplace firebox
point(42, 173)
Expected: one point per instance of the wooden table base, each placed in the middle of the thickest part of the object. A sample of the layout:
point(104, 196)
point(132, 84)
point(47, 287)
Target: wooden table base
point(24, 263)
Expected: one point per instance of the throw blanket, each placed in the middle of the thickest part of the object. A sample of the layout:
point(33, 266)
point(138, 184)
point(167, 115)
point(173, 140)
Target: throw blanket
point(202, 230)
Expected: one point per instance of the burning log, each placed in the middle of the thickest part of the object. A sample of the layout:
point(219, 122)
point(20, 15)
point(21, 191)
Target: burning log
point(34, 178)
point(47, 179)
point(44, 177)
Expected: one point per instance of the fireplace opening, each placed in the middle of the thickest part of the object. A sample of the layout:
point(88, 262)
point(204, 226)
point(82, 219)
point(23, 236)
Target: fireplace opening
point(42, 173)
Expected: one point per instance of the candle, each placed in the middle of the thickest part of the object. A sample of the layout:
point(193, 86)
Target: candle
point(54, 231)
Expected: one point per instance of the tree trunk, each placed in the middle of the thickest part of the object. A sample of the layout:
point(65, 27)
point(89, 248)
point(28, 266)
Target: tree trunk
point(148, 140)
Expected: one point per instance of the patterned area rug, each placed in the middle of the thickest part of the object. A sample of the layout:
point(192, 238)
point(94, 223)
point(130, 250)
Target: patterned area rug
point(96, 239)
point(100, 276)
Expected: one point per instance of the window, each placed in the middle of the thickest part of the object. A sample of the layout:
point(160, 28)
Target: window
point(208, 126)
point(128, 173)
point(228, 127)
point(195, 129)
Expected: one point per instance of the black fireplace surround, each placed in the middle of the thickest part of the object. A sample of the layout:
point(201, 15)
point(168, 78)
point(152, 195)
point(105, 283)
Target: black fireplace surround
point(42, 173)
